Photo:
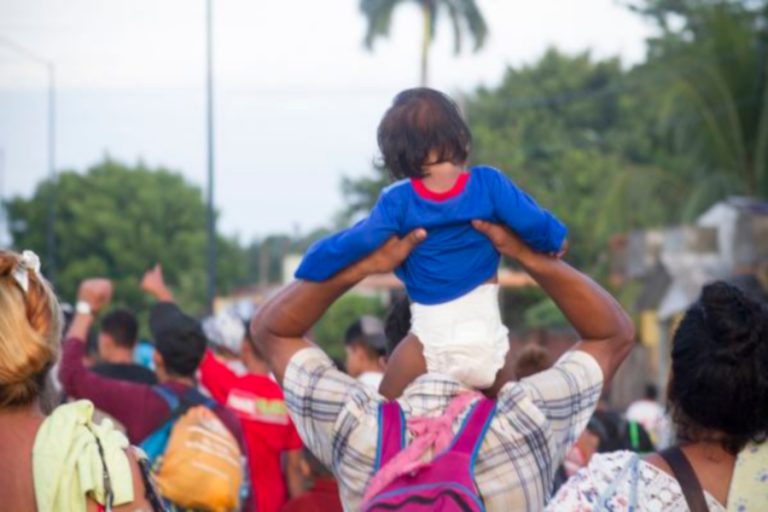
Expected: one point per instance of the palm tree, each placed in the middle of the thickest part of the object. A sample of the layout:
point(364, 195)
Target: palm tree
point(464, 14)
point(716, 107)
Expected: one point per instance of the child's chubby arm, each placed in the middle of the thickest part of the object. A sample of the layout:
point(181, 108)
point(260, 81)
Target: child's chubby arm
point(330, 255)
point(538, 228)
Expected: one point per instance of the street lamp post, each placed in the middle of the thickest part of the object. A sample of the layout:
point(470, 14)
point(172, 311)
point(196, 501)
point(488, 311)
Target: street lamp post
point(210, 145)
point(50, 69)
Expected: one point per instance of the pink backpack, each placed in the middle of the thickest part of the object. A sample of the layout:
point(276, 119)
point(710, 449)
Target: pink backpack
point(402, 481)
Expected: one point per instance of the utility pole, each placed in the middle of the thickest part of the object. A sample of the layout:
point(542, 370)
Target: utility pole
point(5, 229)
point(50, 263)
point(53, 199)
point(211, 160)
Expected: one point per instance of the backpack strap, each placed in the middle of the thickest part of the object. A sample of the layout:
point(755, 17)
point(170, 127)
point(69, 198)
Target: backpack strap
point(391, 433)
point(634, 435)
point(686, 477)
point(193, 396)
point(155, 443)
point(166, 394)
point(472, 433)
point(603, 501)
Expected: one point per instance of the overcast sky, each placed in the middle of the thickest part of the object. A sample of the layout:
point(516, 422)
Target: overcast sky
point(297, 97)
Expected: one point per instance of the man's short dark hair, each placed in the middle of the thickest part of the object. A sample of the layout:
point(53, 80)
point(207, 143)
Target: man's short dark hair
point(121, 325)
point(651, 392)
point(397, 325)
point(179, 339)
point(420, 121)
point(531, 360)
point(367, 332)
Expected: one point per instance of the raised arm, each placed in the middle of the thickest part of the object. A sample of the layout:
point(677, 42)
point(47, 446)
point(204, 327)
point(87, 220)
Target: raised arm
point(330, 255)
point(280, 325)
point(214, 374)
point(112, 396)
point(538, 228)
point(606, 332)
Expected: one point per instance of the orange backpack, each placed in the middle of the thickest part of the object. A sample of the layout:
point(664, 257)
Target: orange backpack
point(201, 466)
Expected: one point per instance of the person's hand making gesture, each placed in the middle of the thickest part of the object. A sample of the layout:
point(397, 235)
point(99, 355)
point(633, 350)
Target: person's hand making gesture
point(153, 283)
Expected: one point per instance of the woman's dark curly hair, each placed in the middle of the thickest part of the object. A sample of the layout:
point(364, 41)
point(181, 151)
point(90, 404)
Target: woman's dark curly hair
point(718, 390)
point(420, 121)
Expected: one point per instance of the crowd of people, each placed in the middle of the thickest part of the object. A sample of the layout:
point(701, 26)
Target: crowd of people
point(431, 410)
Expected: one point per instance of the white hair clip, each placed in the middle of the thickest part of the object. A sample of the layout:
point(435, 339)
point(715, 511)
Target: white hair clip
point(29, 262)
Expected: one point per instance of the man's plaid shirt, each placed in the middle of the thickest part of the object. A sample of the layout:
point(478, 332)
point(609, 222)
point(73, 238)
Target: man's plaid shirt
point(537, 420)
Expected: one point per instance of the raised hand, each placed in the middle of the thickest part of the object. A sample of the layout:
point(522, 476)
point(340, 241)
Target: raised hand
point(390, 255)
point(503, 239)
point(97, 292)
point(153, 283)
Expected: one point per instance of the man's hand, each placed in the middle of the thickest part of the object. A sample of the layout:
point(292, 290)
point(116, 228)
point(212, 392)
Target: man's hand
point(280, 325)
point(503, 239)
point(153, 283)
point(96, 292)
point(390, 255)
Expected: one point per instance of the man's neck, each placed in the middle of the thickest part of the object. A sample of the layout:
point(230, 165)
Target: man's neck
point(371, 368)
point(256, 367)
point(120, 356)
point(187, 381)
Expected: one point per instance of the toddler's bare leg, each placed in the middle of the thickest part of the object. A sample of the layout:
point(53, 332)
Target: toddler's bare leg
point(403, 367)
point(504, 375)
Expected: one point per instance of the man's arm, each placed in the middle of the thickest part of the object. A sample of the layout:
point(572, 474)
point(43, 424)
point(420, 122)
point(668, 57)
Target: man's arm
point(330, 255)
point(606, 332)
point(214, 374)
point(114, 397)
point(294, 479)
point(280, 325)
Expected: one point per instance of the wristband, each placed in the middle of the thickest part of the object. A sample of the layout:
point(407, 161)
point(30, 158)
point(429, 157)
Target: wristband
point(83, 308)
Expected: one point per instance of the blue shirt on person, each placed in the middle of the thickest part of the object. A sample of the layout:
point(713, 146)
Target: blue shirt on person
point(455, 258)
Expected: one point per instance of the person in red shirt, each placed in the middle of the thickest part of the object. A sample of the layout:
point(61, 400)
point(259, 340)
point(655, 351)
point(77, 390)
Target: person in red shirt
point(258, 402)
point(323, 496)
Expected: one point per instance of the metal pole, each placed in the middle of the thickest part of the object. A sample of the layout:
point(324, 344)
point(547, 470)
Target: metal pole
point(5, 230)
point(51, 231)
point(210, 144)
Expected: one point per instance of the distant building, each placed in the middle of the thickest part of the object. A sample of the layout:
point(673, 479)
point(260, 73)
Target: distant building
point(727, 242)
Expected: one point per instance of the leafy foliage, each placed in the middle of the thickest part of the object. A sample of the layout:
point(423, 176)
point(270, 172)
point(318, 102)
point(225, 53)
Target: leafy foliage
point(329, 331)
point(117, 221)
point(715, 107)
point(464, 15)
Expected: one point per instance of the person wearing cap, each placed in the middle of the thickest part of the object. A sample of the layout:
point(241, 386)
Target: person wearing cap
point(180, 347)
point(366, 347)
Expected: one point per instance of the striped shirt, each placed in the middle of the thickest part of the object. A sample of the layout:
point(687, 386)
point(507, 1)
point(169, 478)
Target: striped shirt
point(536, 422)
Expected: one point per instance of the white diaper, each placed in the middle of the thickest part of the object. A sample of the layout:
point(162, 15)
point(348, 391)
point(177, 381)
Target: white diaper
point(464, 338)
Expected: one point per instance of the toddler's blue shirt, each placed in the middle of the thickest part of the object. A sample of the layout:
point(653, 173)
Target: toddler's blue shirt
point(455, 258)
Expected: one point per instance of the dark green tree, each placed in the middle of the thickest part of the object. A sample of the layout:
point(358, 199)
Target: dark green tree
point(116, 221)
point(329, 331)
point(714, 103)
point(463, 14)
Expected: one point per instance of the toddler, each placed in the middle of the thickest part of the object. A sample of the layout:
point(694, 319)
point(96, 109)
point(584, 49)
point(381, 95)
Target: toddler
point(451, 276)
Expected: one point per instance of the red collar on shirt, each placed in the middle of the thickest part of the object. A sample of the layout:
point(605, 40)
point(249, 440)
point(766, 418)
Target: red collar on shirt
point(456, 189)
